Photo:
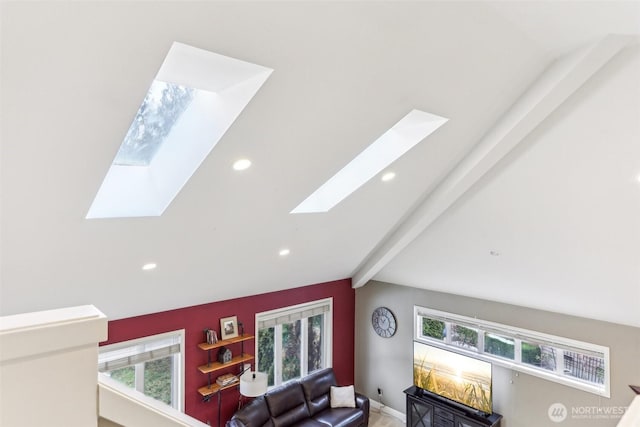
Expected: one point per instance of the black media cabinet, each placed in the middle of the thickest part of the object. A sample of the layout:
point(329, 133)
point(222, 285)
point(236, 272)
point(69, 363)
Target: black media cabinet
point(425, 409)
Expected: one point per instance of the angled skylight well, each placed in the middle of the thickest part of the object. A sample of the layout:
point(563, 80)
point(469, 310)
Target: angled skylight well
point(404, 135)
point(193, 100)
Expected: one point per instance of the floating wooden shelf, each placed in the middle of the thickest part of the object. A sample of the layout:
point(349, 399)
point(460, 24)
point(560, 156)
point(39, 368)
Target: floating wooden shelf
point(222, 343)
point(214, 388)
point(215, 366)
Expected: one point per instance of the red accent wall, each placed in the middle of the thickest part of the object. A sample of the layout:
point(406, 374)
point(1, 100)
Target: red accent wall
point(195, 319)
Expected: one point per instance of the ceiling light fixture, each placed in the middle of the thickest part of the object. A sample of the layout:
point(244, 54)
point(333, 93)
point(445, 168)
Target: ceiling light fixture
point(284, 252)
point(149, 266)
point(404, 135)
point(388, 176)
point(242, 164)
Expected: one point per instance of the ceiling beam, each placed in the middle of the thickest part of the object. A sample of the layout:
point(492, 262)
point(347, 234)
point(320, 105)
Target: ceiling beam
point(553, 87)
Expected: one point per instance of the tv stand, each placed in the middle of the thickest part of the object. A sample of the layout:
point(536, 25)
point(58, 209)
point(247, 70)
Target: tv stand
point(426, 409)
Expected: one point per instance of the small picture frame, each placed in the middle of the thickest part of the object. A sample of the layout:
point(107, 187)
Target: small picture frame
point(229, 327)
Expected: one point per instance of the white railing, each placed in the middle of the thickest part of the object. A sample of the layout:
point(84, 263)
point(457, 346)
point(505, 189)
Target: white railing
point(128, 407)
point(48, 364)
point(631, 417)
point(49, 376)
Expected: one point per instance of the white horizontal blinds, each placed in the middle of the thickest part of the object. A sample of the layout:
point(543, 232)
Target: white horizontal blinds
point(117, 357)
point(291, 314)
point(134, 359)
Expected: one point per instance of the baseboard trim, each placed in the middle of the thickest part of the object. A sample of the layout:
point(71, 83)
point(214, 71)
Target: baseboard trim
point(375, 405)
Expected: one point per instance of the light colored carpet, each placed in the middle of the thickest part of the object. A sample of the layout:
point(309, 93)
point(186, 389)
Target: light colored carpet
point(377, 419)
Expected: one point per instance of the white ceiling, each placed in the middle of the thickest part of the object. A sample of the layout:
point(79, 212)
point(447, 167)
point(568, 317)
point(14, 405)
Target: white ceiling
point(562, 208)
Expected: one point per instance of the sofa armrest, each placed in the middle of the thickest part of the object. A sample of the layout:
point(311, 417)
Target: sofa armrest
point(362, 402)
point(235, 423)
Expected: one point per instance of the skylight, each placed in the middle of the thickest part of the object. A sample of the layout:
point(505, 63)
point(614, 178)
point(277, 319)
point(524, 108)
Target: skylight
point(193, 100)
point(392, 144)
point(161, 108)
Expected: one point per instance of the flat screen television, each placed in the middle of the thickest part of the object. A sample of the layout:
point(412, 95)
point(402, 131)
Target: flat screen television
point(460, 378)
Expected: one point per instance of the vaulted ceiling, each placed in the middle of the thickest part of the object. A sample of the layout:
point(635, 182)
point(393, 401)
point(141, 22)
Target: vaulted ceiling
point(529, 194)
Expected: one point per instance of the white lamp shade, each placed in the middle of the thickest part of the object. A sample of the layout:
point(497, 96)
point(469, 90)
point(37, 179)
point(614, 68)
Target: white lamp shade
point(253, 384)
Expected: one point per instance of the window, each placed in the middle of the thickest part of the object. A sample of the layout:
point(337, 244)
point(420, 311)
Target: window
point(294, 341)
point(152, 365)
point(575, 363)
point(499, 345)
point(433, 328)
point(464, 337)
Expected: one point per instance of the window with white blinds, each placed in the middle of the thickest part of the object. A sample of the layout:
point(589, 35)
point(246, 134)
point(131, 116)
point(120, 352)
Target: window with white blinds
point(140, 353)
point(294, 341)
point(578, 364)
point(152, 365)
point(271, 318)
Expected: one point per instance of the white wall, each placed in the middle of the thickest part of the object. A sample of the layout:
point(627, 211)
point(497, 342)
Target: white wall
point(48, 367)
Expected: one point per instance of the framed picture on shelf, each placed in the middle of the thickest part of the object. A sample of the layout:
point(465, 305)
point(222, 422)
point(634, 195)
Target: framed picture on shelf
point(229, 327)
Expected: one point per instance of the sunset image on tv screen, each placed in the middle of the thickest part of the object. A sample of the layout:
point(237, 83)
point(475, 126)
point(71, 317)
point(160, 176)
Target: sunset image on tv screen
point(460, 378)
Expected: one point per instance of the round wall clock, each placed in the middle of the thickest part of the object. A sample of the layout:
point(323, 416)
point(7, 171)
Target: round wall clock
point(383, 322)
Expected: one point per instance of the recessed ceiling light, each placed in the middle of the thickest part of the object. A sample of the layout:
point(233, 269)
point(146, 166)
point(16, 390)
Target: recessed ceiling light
point(409, 131)
point(242, 164)
point(284, 252)
point(149, 266)
point(388, 176)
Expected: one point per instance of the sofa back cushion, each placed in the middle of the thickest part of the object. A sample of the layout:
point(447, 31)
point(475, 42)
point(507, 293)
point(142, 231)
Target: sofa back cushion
point(287, 404)
point(255, 414)
point(317, 387)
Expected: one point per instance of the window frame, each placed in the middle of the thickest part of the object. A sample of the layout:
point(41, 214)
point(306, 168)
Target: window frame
point(178, 369)
point(559, 344)
point(327, 347)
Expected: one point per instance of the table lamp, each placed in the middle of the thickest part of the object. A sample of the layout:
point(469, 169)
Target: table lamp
point(253, 384)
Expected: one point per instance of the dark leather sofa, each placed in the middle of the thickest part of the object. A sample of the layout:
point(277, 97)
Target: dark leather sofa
point(302, 403)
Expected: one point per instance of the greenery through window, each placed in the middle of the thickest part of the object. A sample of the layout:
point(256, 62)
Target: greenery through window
point(294, 341)
point(315, 342)
point(266, 342)
point(499, 345)
point(464, 337)
point(126, 376)
point(158, 379)
point(160, 110)
point(433, 328)
point(291, 351)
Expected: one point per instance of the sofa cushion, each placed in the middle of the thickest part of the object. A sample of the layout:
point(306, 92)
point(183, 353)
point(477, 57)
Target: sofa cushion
point(287, 405)
point(317, 386)
point(310, 422)
point(255, 414)
point(341, 417)
point(343, 397)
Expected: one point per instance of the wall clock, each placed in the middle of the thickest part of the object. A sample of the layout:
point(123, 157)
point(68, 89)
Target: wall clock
point(383, 322)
